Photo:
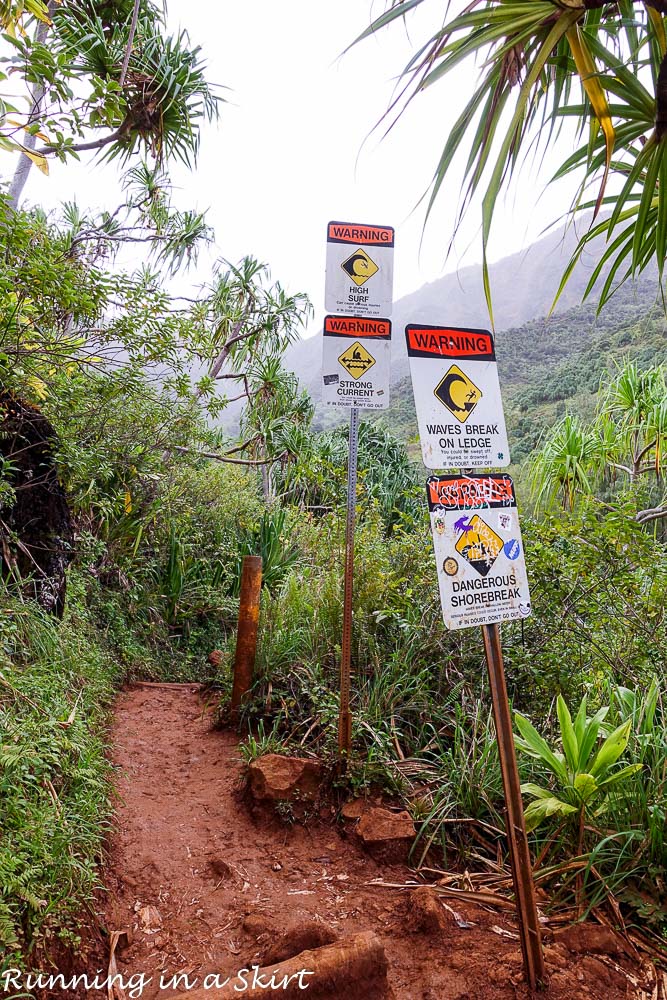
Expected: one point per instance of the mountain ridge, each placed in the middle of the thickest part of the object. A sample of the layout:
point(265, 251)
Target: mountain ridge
point(524, 286)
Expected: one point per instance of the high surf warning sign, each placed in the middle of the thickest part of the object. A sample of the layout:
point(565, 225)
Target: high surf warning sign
point(356, 362)
point(360, 269)
point(478, 549)
point(457, 397)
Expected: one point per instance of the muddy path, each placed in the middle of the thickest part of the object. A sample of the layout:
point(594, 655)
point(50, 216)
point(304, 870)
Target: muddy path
point(207, 889)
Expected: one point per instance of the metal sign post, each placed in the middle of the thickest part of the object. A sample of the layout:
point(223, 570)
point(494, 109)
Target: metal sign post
point(522, 872)
point(482, 580)
point(478, 548)
point(344, 716)
point(356, 368)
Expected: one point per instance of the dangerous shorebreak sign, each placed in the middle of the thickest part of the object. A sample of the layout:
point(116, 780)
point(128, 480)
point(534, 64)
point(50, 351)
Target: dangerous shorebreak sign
point(360, 269)
point(457, 397)
point(356, 362)
point(478, 549)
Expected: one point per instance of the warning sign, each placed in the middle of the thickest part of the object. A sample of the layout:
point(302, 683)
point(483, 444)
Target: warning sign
point(478, 549)
point(478, 543)
point(457, 397)
point(356, 362)
point(458, 393)
point(360, 269)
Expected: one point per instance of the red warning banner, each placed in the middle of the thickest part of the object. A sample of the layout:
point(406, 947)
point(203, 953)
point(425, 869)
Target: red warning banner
point(470, 492)
point(449, 342)
point(354, 326)
point(360, 235)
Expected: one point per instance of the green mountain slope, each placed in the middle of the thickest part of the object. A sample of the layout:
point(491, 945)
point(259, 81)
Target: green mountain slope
point(550, 365)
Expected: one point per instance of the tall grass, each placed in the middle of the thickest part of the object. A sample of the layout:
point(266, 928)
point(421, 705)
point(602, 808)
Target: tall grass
point(56, 684)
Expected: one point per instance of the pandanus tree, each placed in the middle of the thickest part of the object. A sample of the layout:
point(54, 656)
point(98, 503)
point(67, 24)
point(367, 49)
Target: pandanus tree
point(562, 466)
point(100, 75)
point(636, 402)
point(542, 63)
point(626, 439)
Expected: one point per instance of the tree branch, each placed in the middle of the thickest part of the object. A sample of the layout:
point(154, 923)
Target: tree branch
point(38, 94)
point(240, 447)
point(231, 461)
point(650, 514)
point(235, 338)
point(638, 458)
point(130, 42)
point(82, 146)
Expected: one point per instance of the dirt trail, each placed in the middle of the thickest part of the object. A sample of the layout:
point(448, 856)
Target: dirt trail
point(224, 885)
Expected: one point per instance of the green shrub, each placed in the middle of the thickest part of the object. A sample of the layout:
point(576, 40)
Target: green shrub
point(56, 684)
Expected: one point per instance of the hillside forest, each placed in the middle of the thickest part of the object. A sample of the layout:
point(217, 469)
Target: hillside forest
point(126, 509)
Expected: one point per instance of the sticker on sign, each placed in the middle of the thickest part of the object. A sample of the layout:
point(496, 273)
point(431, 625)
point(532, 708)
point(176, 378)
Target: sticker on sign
point(360, 269)
point(457, 397)
point(356, 356)
point(478, 549)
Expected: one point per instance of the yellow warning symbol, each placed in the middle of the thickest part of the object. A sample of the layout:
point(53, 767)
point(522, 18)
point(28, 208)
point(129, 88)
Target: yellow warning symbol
point(458, 393)
point(356, 360)
point(359, 267)
point(478, 543)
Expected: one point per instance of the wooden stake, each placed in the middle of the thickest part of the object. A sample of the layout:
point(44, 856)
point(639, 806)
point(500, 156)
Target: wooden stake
point(246, 637)
point(522, 872)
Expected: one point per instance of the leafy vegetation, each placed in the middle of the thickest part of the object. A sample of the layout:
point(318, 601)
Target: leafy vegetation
point(125, 384)
point(596, 66)
point(100, 76)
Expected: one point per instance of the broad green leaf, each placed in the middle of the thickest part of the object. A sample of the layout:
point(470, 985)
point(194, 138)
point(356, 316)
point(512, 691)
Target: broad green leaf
point(529, 788)
point(590, 737)
point(611, 749)
point(580, 724)
point(625, 772)
point(533, 744)
point(585, 786)
point(541, 809)
point(567, 733)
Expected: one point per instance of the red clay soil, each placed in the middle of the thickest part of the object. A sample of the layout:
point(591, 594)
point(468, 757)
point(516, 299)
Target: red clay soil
point(208, 889)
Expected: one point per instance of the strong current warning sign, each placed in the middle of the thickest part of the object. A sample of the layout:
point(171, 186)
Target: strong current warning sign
point(457, 397)
point(356, 362)
point(360, 269)
point(478, 549)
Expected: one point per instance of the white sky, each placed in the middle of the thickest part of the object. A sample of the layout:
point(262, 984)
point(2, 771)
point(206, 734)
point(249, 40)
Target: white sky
point(292, 148)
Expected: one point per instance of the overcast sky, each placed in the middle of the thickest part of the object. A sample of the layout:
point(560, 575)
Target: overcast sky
point(294, 146)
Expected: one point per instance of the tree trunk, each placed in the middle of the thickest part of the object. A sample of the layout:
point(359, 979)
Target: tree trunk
point(30, 141)
point(36, 533)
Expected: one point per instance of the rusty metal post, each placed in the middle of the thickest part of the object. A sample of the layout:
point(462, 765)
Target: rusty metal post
point(246, 636)
point(522, 872)
point(344, 716)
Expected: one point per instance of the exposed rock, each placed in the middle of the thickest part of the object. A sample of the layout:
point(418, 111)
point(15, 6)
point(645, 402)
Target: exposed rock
point(387, 836)
point(355, 808)
point(215, 657)
point(299, 937)
point(274, 778)
point(150, 919)
point(257, 924)
point(219, 869)
point(424, 911)
point(584, 939)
